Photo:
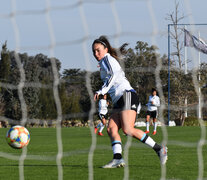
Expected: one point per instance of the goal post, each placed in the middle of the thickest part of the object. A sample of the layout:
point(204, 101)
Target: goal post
point(194, 57)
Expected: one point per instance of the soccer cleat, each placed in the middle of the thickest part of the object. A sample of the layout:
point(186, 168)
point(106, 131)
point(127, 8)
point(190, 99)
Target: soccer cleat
point(146, 132)
point(154, 132)
point(100, 134)
point(95, 130)
point(115, 163)
point(163, 155)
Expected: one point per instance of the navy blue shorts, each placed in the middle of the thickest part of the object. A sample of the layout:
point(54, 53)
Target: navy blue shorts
point(128, 101)
point(152, 114)
point(103, 116)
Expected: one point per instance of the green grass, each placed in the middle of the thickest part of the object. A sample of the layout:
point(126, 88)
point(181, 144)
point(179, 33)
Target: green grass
point(40, 163)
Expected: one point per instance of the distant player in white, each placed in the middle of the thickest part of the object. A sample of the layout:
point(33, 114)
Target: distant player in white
point(125, 102)
point(103, 109)
point(152, 111)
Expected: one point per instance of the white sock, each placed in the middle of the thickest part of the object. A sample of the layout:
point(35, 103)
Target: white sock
point(155, 126)
point(147, 126)
point(99, 125)
point(116, 147)
point(101, 128)
point(148, 140)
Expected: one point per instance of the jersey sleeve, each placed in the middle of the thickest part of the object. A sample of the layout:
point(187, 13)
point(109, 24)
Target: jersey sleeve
point(157, 102)
point(149, 102)
point(112, 68)
point(99, 104)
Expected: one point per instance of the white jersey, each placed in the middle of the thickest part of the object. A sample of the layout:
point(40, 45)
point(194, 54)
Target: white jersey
point(102, 106)
point(156, 103)
point(113, 77)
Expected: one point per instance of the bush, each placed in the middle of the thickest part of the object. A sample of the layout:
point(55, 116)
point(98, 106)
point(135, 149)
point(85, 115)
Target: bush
point(191, 121)
point(205, 123)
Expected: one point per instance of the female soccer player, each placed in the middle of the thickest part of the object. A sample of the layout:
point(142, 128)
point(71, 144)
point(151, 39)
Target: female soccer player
point(153, 103)
point(125, 101)
point(103, 104)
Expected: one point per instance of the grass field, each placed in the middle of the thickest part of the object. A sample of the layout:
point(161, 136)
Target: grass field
point(40, 163)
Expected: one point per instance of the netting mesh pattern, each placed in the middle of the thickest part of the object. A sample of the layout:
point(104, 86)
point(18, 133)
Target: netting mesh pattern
point(59, 26)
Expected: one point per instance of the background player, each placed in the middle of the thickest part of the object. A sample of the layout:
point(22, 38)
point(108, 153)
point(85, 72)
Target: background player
point(152, 110)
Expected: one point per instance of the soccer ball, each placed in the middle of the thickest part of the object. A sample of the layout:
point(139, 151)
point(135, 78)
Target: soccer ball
point(18, 137)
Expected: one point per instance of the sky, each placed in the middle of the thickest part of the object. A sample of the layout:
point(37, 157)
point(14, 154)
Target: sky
point(66, 29)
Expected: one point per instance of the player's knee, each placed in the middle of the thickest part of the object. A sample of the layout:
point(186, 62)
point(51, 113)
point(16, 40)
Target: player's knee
point(127, 131)
point(104, 122)
point(112, 132)
point(109, 130)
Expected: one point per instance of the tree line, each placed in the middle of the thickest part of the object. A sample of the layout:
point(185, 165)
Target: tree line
point(140, 65)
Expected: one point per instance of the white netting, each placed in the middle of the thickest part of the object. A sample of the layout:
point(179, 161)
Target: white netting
point(59, 26)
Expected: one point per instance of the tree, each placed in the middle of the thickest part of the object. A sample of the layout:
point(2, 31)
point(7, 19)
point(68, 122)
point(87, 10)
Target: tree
point(75, 85)
point(203, 84)
point(74, 106)
point(47, 107)
point(175, 18)
point(64, 98)
point(2, 109)
point(42, 73)
point(5, 71)
point(140, 65)
point(180, 82)
point(38, 92)
point(4, 63)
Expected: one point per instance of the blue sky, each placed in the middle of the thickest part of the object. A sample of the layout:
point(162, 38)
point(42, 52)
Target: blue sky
point(133, 18)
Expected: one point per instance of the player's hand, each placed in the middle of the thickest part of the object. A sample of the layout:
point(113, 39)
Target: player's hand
point(95, 97)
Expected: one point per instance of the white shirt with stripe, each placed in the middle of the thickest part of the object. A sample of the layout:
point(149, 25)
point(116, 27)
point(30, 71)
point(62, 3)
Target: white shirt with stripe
point(102, 106)
point(113, 77)
point(156, 103)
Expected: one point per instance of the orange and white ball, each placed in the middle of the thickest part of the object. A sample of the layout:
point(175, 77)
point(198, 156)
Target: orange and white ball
point(18, 137)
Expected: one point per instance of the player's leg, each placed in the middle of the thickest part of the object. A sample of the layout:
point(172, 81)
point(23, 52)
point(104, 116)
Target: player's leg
point(127, 122)
point(103, 120)
point(147, 122)
point(155, 126)
point(99, 124)
point(113, 129)
point(154, 115)
point(97, 127)
point(102, 126)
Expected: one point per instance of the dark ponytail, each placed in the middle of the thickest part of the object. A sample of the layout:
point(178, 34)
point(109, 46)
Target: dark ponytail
point(116, 53)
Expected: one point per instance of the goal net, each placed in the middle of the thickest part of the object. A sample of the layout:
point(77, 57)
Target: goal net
point(48, 47)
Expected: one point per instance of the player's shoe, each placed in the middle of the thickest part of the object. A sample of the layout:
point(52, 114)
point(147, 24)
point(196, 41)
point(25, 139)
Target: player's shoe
point(100, 134)
point(163, 155)
point(146, 132)
point(115, 163)
point(95, 130)
point(154, 132)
